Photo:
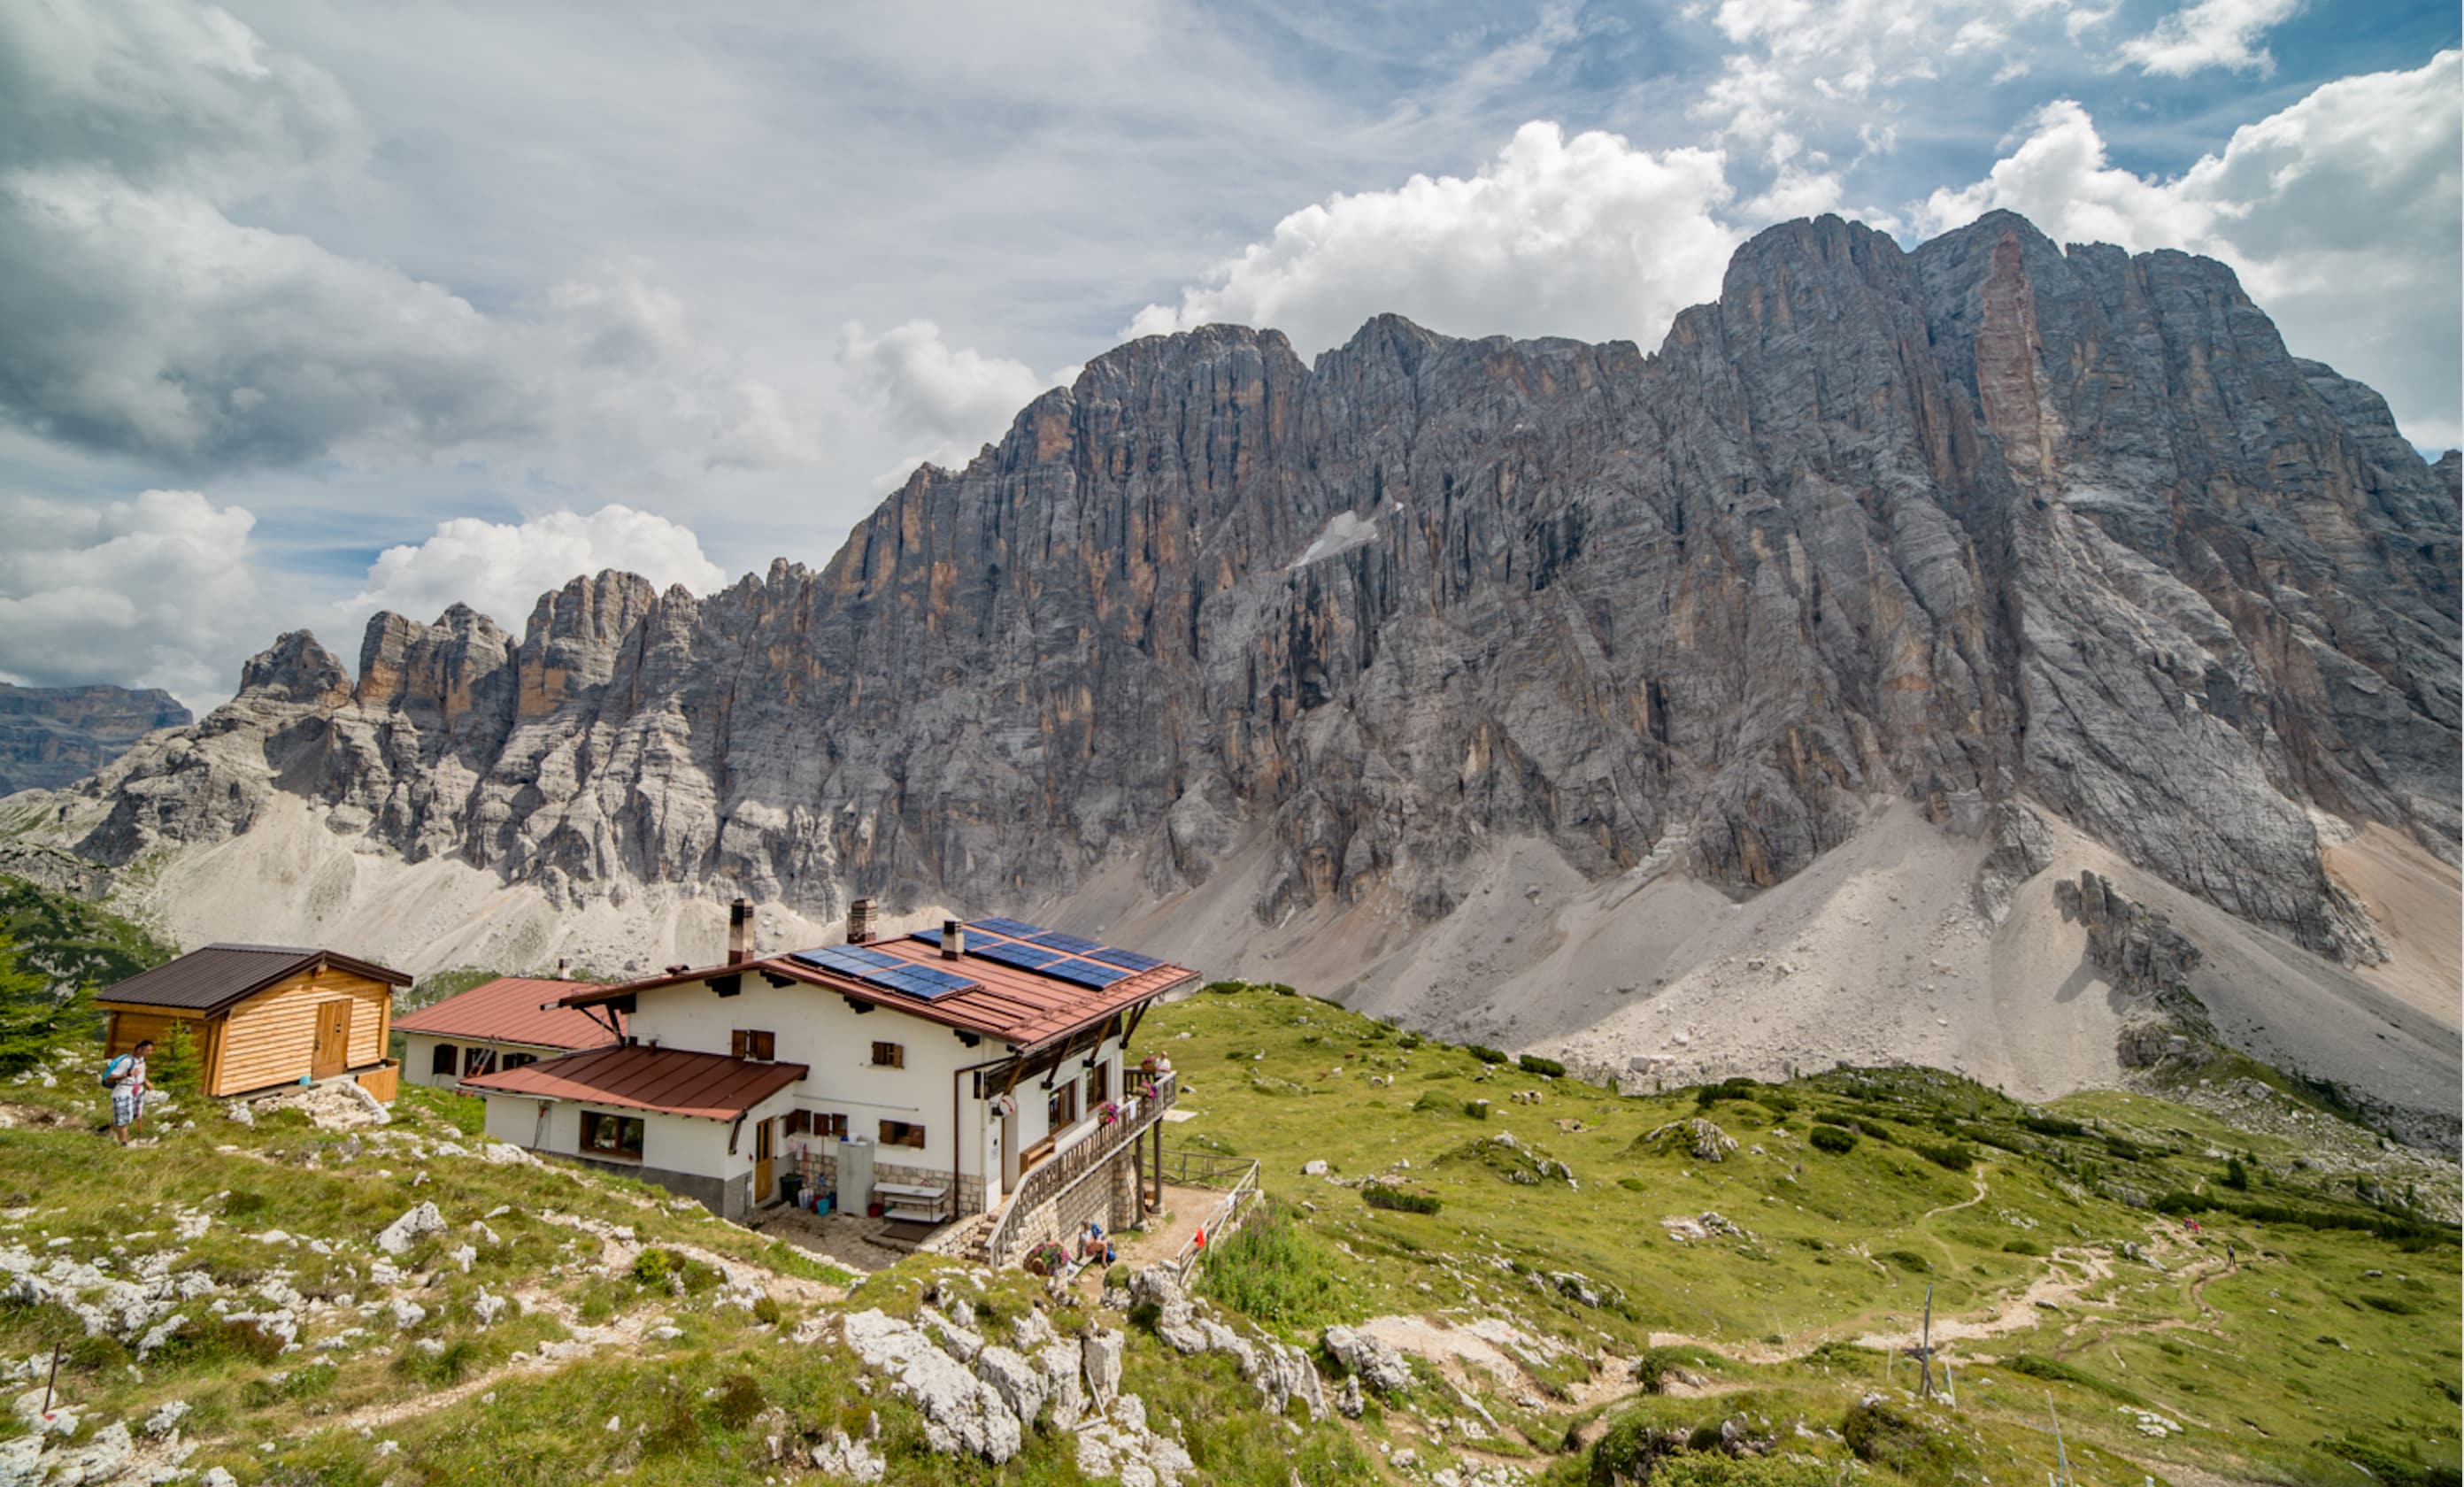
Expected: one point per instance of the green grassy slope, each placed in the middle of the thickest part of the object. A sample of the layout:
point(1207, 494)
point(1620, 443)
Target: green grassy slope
point(2301, 1353)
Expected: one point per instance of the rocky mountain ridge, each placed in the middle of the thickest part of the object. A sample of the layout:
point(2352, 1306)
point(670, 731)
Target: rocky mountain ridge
point(2010, 532)
point(54, 736)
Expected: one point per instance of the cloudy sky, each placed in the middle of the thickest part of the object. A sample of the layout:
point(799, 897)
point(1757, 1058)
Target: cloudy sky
point(310, 309)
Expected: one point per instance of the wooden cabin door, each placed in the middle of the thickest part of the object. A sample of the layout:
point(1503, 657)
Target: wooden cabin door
point(332, 1053)
point(764, 1151)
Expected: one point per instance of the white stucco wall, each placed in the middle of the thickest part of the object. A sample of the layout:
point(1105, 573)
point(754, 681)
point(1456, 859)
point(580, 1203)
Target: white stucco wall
point(677, 1143)
point(815, 1027)
point(419, 1051)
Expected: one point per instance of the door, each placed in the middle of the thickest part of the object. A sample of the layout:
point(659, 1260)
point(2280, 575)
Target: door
point(765, 1150)
point(332, 1053)
point(1009, 1145)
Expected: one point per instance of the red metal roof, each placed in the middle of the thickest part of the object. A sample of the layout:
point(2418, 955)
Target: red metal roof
point(671, 1080)
point(1018, 1007)
point(215, 977)
point(513, 1009)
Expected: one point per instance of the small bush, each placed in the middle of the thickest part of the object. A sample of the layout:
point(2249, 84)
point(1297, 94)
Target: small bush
point(1410, 1041)
point(654, 1267)
point(1836, 1140)
point(2390, 1468)
point(2023, 1246)
point(1875, 1129)
point(1908, 1260)
point(1483, 1052)
point(310, 1380)
point(2053, 1126)
point(1661, 1366)
point(1886, 1436)
point(1634, 1185)
point(1952, 1156)
point(2178, 1204)
point(2236, 1176)
point(1477, 1109)
point(2055, 1371)
point(1400, 1200)
point(2392, 1305)
point(440, 1369)
point(1533, 1063)
point(765, 1311)
point(740, 1400)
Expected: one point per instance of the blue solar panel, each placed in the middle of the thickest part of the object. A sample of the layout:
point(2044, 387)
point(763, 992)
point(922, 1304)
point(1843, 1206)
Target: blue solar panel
point(1083, 973)
point(931, 937)
point(922, 982)
point(1070, 945)
point(1127, 959)
point(852, 960)
point(1026, 957)
point(1015, 929)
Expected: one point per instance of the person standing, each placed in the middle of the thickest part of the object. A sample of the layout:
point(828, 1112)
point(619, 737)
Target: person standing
point(125, 1078)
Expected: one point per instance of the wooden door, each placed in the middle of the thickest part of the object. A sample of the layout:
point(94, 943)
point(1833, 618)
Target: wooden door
point(332, 1053)
point(765, 1150)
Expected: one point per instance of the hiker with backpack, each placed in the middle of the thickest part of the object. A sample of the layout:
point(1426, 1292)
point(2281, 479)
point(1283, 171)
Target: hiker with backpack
point(125, 1078)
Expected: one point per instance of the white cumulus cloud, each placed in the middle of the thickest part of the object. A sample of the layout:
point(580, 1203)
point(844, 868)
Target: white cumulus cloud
point(1586, 236)
point(501, 568)
point(162, 590)
point(2340, 214)
point(2211, 34)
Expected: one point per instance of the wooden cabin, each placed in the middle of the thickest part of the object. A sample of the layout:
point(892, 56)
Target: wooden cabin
point(264, 1015)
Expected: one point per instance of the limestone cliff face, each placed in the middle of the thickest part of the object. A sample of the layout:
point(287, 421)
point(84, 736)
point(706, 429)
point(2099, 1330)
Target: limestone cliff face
point(1986, 522)
point(51, 736)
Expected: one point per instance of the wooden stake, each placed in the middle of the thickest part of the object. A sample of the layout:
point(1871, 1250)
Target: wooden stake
point(51, 1379)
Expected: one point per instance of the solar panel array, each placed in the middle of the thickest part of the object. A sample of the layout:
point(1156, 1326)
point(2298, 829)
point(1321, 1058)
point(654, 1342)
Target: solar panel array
point(1049, 952)
point(880, 968)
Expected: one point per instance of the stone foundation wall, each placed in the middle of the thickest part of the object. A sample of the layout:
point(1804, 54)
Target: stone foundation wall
point(971, 1190)
point(727, 1197)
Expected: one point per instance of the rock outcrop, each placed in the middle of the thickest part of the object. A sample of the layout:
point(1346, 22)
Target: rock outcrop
point(1985, 523)
point(54, 736)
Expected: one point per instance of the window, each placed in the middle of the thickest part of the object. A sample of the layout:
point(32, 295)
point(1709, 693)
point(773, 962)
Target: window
point(750, 1043)
point(889, 1055)
point(900, 1132)
point(1099, 1085)
point(834, 1126)
point(1061, 1107)
point(799, 1122)
point(616, 1137)
point(444, 1059)
point(517, 1060)
point(478, 1060)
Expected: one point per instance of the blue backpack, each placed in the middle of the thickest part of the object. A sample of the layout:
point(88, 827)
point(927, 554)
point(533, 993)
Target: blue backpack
point(111, 1070)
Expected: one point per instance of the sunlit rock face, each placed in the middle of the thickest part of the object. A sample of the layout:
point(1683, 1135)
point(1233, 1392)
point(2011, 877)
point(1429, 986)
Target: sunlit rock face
point(1986, 522)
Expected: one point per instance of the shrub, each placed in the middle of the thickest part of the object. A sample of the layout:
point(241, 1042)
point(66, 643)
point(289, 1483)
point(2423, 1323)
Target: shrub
point(1533, 1063)
point(1409, 1040)
point(765, 1311)
point(654, 1267)
point(310, 1380)
point(2392, 1305)
point(1477, 1109)
point(1954, 1156)
point(2053, 1371)
point(1836, 1140)
point(439, 1369)
point(2053, 1126)
point(740, 1400)
point(1884, 1435)
point(1908, 1260)
point(1273, 1270)
point(1400, 1200)
point(1431, 1100)
point(1483, 1052)
point(1634, 1185)
point(2180, 1203)
point(2386, 1466)
point(2023, 1246)
point(2236, 1176)
point(1875, 1129)
point(1661, 1366)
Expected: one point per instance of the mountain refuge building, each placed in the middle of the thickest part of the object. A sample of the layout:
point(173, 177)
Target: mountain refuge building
point(982, 1067)
point(263, 1015)
point(500, 1024)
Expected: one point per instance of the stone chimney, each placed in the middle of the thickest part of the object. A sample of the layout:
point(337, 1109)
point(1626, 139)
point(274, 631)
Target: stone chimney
point(860, 921)
point(954, 940)
point(740, 931)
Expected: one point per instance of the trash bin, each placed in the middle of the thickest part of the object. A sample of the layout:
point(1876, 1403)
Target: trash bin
point(791, 1187)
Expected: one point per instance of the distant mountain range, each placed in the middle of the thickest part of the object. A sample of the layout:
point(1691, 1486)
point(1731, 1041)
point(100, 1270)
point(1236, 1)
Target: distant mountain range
point(50, 736)
point(2055, 559)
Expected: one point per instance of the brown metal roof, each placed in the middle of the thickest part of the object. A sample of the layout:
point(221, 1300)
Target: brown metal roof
point(211, 978)
point(1018, 1007)
point(513, 1009)
point(670, 1080)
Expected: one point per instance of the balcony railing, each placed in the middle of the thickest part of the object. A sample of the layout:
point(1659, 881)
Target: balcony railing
point(1059, 1173)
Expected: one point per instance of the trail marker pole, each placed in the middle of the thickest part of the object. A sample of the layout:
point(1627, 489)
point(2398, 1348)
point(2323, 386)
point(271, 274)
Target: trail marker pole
point(51, 1379)
point(2062, 1454)
point(1924, 1351)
